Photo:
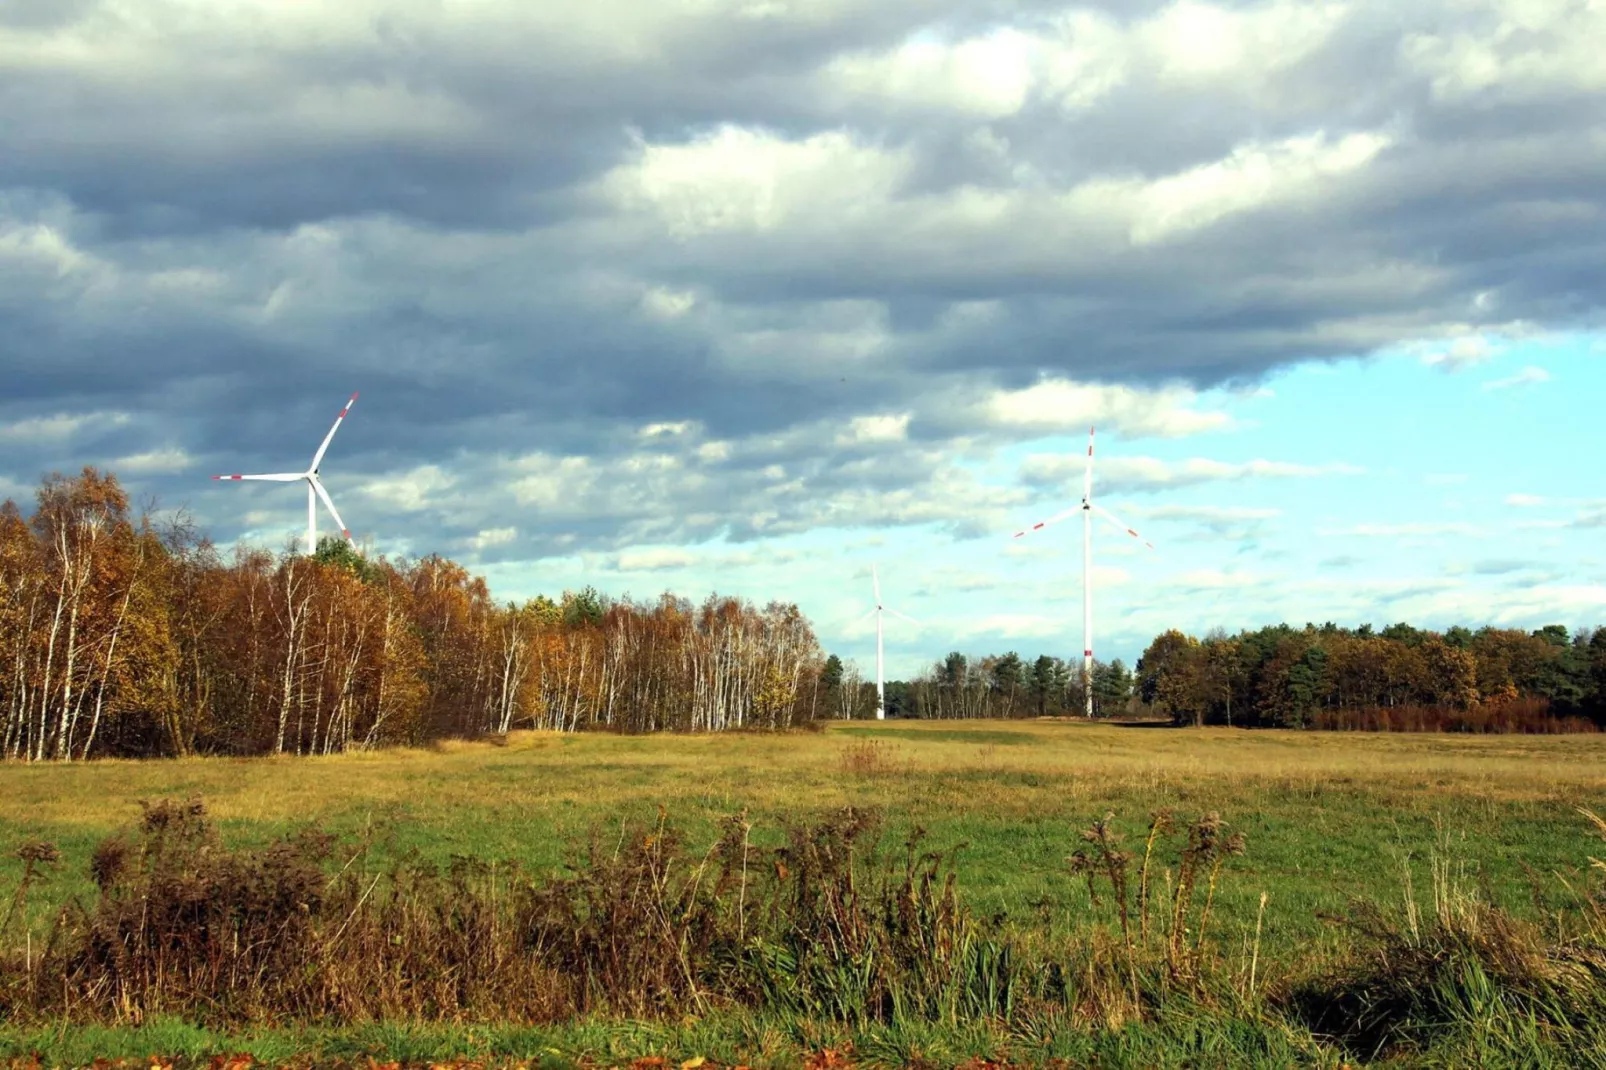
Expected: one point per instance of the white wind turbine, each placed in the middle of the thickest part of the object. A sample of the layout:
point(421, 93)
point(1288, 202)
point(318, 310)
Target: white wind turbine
point(1087, 509)
point(315, 489)
point(880, 658)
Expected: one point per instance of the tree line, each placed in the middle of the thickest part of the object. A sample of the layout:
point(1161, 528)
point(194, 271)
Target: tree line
point(1331, 677)
point(122, 636)
point(995, 685)
point(1328, 677)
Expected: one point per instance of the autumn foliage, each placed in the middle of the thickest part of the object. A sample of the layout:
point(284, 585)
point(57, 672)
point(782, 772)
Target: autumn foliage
point(1401, 679)
point(122, 637)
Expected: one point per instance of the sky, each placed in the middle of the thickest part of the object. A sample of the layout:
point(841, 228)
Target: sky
point(747, 295)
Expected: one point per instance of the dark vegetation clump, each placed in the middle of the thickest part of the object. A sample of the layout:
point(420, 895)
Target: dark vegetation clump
point(1513, 717)
point(1468, 981)
point(835, 926)
point(181, 921)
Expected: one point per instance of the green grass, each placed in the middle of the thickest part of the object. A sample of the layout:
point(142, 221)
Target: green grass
point(1329, 817)
point(1183, 1040)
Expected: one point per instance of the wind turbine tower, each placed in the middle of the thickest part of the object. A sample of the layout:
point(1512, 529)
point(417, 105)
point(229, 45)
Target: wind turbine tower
point(1087, 509)
point(880, 656)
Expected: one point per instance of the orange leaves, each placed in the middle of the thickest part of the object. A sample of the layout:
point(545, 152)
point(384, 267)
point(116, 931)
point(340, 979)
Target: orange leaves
point(829, 1059)
point(231, 1062)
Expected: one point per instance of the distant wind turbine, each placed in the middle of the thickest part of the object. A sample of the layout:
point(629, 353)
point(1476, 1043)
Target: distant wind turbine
point(1087, 509)
point(880, 658)
point(315, 489)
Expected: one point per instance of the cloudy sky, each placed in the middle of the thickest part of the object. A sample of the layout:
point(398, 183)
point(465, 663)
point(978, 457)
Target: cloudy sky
point(747, 294)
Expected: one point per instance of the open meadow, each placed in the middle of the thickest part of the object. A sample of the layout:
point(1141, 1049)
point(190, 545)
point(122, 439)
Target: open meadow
point(1328, 820)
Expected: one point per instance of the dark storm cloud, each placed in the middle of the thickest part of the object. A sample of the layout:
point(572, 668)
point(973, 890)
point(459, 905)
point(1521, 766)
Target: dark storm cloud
point(525, 233)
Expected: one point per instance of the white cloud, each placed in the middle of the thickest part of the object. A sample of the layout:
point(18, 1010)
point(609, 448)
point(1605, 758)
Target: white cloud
point(863, 429)
point(1208, 513)
point(1462, 353)
point(43, 247)
point(410, 491)
point(1193, 41)
point(1252, 175)
point(1076, 58)
point(665, 303)
point(1149, 473)
point(1224, 521)
point(489, 537)
point(654, 560)
point(1522, 605)
point(666, 430)
point(1524, 501)
point(988, 76)
point(1518, 51)
point(739, 179)
point(1528, 376)
point(153, 462)
point(60, 427)
point(1063, 405)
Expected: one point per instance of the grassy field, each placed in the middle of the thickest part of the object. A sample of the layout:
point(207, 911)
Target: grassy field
point(1329, 817)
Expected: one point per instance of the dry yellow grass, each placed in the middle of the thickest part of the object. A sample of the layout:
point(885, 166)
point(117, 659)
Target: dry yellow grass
point(1068, 760)
point(1328, 815)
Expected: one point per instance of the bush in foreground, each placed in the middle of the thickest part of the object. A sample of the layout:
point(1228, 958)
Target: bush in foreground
point(833, 940)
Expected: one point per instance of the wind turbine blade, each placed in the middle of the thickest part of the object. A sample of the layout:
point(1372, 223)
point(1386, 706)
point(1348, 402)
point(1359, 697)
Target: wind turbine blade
point(875, 579)
point(274, 477)
point(1112, 518)
point(1087, 478)
point(906, 617)
point(864, 616)
point(1055, 519)
point(328, 503)
point(317, 458)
